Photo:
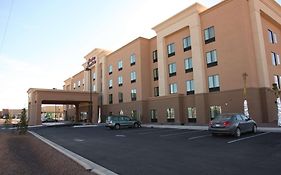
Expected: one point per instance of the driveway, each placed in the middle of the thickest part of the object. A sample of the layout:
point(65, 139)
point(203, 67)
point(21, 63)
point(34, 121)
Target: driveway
point(171, 151)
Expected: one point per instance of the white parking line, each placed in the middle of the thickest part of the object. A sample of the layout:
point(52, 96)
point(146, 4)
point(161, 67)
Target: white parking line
point(166, 135)
point(198, 137)
point(237, 140)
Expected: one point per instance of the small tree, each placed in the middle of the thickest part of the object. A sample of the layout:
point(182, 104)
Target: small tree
point(8, 120)
point(22, 125)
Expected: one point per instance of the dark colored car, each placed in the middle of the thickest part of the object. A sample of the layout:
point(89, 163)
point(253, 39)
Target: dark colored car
point(116, 122)
point(234, 124)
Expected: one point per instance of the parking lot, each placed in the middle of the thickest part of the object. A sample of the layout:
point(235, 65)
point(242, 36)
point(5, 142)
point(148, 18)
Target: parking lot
point(171, 151)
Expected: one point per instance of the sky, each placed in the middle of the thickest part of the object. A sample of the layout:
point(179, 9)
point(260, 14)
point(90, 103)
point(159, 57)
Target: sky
point(42, 43)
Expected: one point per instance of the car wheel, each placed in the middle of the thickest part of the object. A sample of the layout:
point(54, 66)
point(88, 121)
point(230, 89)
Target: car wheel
point(117, 126)
point(237, 132)
point(254, 130)
point(136, 125)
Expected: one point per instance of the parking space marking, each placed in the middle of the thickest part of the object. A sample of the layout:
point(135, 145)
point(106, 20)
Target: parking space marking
point(120, 135)
point(157, 131)
point(136, 130)
point(245, 138)
point(198, 137)
point(166, 135)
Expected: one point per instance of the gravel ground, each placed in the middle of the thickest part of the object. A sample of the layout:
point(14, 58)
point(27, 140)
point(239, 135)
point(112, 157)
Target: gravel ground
point(26, 155)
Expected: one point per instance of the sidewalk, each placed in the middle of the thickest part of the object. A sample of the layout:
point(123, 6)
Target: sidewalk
point(262, 127)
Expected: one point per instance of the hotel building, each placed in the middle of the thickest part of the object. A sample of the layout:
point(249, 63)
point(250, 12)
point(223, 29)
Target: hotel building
point(202, 61)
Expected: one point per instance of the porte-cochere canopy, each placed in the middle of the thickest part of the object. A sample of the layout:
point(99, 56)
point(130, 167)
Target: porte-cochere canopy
point(37, 97)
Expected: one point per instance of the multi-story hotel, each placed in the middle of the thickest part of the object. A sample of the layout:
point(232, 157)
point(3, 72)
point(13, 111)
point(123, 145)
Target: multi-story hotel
point(202, 61)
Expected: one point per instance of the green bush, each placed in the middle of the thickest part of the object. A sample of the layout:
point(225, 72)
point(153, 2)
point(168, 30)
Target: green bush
point(22, 125)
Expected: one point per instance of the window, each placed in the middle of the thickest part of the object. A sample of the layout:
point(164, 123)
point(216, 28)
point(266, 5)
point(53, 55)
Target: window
point(83, 81)
point(110, 69)
point(94, 88)
point(275, 59)
point(120, 97)
point(272, 37)
point(79, 83)
point(153, 115)
point(156, 91)
point(134, 114)
point(186, 44)
point(173, 88)
point(211, 58)
point(191, 114)
point(214, 83)
point(189, 87)
point(133, 94)
point(277, 80)
point(120, 81)
point(155, 74)
point(110, 98)
point(170, 115)
point(154, 56)
point(133, 77)
point(133, 59)
point(209, 34)
point(120, 65)
point(171, 49)
point(188, 65)
point(215, 111)
point(110, 84)
point(172, 69)
point(94, 76)
point(74, 85)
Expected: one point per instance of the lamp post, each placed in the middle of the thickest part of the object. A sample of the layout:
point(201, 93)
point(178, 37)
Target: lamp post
point(91, 103)
point(278, 102)
point(246, 109)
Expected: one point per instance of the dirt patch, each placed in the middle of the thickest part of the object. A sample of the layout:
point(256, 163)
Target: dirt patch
point(26, 155)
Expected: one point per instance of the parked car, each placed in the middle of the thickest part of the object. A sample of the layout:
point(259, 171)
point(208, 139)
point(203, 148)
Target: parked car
point(119, 121)
point(233, 124)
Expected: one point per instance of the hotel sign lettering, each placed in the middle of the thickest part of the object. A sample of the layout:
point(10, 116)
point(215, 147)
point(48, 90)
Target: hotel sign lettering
point(92, 61)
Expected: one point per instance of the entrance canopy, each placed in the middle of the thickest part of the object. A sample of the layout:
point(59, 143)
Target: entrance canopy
point(37, 97)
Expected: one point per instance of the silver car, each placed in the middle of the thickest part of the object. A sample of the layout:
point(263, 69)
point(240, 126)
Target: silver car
point(233, 124)
point(116, 122)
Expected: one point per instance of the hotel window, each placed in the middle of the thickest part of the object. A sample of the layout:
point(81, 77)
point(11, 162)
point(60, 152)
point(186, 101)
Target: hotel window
point(214, 83)
point(171, 49)
point(155, 74)
point(83, 81)
point(272, 37)
point(133, 59)
point(154, 56)
point(173, 88)
point(156, 91)
point(153, 115)
point(120, 97)
point(170, 115)
point(275, 59)
point(110, 69)
point(120, 65)
point(110, 84)
point(209, 34)
point(172, 69)
point(186, 44)
point(191, 114)
point(189, 87)
point(94, 88)
point(79, 83)
point(277, 80)
point(215, 111)
point(133, 94)
point(133, 77)
point(110, 98)
point(120, 81)
point(74, 85)
point(188, 65)
point(94, 76)
point(211, 58)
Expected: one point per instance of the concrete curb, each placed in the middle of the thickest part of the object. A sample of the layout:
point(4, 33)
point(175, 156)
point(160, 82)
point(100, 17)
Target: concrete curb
point(87, 164)
point(84, 126)
point(261, 129)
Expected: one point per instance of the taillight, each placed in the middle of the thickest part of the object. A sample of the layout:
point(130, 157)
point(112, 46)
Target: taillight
point(227, 123)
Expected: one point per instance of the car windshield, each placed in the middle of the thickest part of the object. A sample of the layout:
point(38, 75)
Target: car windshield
point(224, 117)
